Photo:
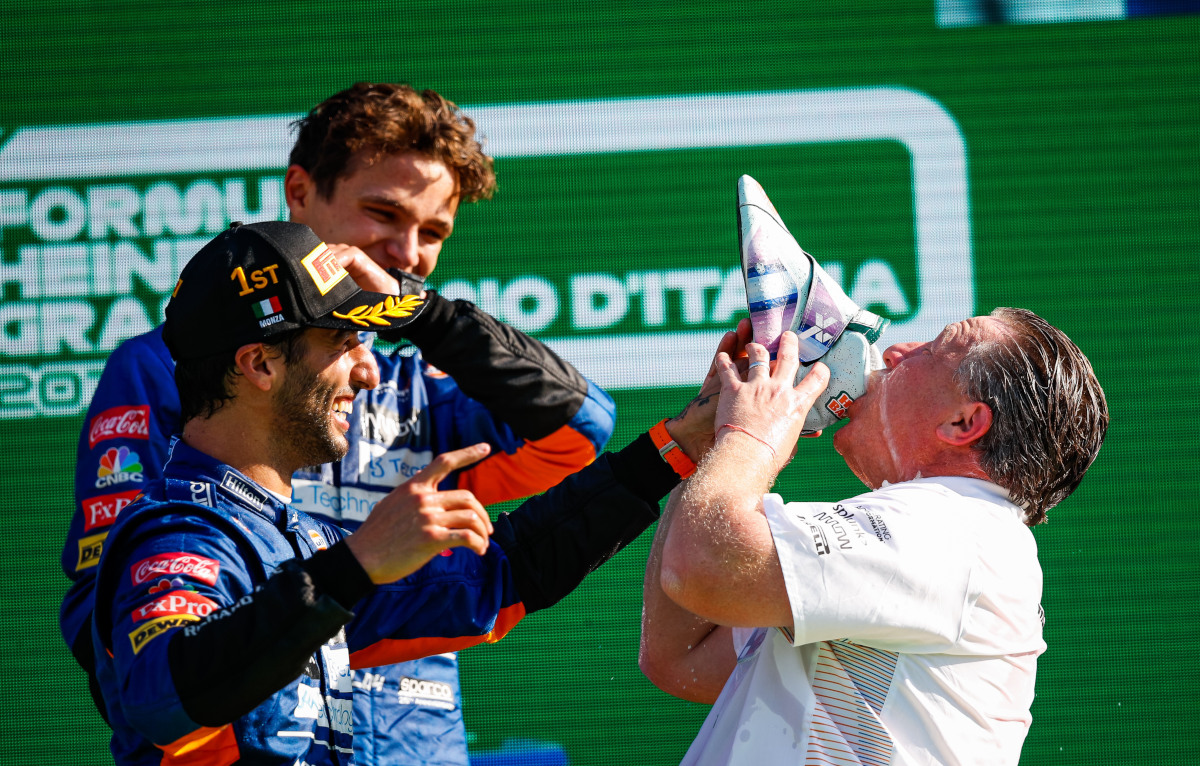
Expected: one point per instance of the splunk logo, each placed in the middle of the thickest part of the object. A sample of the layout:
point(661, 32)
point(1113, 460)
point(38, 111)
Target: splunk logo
point(94, 229)
point(117, 466)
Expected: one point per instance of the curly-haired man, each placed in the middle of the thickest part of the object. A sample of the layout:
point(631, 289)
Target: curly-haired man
point(377, 171)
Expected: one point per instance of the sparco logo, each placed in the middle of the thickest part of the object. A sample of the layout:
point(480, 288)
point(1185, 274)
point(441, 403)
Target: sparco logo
point(128, 422)
point(415, 687)
point(170, 564)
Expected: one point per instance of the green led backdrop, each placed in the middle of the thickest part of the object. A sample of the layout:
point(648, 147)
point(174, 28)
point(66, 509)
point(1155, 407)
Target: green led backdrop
point(937, 170)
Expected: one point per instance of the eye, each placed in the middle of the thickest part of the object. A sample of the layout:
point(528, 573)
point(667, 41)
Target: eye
point(381, 214)
point(346, 339)
point(432, 236)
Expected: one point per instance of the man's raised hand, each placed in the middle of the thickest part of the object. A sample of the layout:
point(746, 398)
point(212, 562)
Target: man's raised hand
point(416, 521)
point(367, 274)
point(762, 403)
point(692, 429)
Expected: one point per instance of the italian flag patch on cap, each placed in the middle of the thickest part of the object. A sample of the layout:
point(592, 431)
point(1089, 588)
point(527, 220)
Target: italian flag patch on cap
point(266, 308)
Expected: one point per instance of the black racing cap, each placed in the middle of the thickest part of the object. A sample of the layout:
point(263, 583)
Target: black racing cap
point(254, 282)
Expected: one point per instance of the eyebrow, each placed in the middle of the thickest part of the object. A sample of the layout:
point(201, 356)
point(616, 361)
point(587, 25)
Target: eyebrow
point(341, 336)
point(375, 199)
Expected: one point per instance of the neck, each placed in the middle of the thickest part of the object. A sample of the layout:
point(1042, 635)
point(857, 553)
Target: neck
point(952, 463)
point(240, 440)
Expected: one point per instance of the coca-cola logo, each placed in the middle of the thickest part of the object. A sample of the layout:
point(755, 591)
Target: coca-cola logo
point(126, 422)
point(175, 564)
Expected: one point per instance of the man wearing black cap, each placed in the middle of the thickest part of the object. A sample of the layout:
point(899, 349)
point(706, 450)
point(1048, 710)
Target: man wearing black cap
point(226, 622)
point(379, 172)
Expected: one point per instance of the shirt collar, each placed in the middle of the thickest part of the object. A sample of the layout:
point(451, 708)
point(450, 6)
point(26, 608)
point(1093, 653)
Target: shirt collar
point(190, 464)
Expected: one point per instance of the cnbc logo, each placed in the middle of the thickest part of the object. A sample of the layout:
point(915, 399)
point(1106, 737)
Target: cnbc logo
point(96, 222)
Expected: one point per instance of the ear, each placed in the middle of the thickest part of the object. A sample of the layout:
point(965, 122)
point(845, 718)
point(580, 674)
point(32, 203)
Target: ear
point(299, 191)
point(966, 425)
point(258, 368)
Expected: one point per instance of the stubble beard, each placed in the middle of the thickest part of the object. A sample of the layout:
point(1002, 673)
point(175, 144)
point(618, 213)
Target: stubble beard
point(303, 422)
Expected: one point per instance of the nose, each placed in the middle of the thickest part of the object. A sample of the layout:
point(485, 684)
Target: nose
point(403, 249)
point(365, 372)
point(896, 353)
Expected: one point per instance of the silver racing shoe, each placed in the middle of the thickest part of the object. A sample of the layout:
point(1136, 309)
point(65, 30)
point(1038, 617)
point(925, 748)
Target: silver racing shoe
point(788, 290)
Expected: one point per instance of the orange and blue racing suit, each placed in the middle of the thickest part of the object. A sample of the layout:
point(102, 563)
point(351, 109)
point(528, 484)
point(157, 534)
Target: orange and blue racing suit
point(227, 623)
point(460, 378)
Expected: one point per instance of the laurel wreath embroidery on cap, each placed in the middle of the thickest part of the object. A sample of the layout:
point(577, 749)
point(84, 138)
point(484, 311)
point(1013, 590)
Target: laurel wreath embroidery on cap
point(394, 308)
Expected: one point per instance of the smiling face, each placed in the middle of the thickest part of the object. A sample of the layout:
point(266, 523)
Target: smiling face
point(312, 407)
point(398, 210)
point(913, 420)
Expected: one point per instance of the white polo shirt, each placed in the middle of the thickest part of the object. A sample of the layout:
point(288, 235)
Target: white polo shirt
point(917, 631)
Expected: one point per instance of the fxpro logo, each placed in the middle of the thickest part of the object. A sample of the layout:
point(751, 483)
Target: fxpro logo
point(95, 221)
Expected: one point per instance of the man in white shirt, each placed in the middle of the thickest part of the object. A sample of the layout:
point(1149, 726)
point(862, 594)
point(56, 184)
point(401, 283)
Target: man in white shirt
point(901, 626)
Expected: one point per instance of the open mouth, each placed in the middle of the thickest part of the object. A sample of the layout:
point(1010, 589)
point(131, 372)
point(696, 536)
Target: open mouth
point(341, 412)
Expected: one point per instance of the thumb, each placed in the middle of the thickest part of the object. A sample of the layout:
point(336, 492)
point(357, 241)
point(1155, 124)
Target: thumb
point(447, 462)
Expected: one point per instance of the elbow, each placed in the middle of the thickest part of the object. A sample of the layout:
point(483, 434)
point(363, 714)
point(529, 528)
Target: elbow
point(651, 665)
point(650, 657)
point(660, 673)
point(689, 580)
point(160, 720)
point(669, 673)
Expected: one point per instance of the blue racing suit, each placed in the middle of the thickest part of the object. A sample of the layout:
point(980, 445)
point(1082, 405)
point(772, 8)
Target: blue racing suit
point(491, 383)
point(226, 623)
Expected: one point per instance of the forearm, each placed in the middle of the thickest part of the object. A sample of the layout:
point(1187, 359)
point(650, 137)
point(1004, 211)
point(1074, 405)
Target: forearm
point(718, 509)
point(684, 655)
point(719, 558)
point(229, 664)
point(518, 378)
point(554, 540)
point(525, 467)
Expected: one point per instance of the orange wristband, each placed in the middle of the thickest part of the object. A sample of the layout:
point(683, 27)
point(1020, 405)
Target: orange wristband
point(670, 451)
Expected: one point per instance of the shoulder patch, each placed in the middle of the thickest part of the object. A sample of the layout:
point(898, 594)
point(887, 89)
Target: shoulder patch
point(101, 510)
point(201, 493)
point(244, 489)
point(175, 602)
point(126, 421)
point(317, 539)
point(157, 627)
point(175, 564)
point(90, 548)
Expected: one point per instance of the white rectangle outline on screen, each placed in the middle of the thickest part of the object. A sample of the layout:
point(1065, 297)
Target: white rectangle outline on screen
point(942, 235)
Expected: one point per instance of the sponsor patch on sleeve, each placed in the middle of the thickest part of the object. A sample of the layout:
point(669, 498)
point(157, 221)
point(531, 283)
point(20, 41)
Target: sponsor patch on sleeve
point(130, 422)
point(187, 602)
point(117, 466)
point(102, 510)
point(157, 627)
point(90, 548)
point(175, 565)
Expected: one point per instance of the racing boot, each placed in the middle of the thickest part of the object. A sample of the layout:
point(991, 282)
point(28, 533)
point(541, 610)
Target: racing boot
point(788, 290)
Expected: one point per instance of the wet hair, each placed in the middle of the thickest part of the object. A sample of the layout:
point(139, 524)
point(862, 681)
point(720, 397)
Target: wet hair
point(369, 121)
point(1049, 415)
point(206, 384)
